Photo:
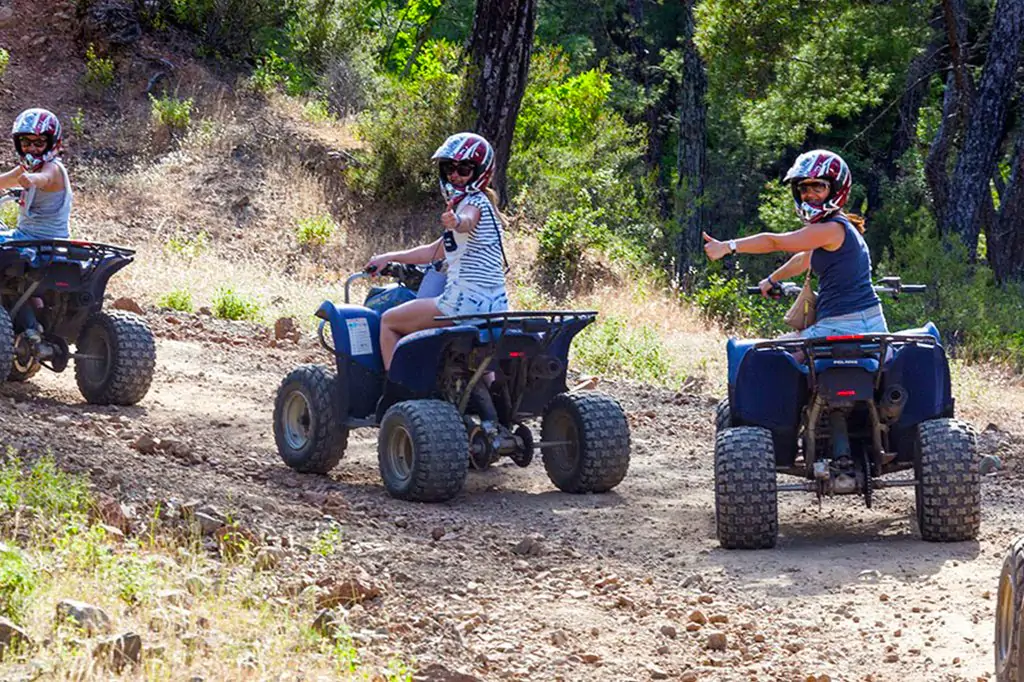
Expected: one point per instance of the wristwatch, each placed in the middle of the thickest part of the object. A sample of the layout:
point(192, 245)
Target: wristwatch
point(732, 246)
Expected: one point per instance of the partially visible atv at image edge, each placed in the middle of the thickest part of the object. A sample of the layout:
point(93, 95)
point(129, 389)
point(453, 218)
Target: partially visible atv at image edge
point(856, 409)
point(64, 282)
point(436, 414)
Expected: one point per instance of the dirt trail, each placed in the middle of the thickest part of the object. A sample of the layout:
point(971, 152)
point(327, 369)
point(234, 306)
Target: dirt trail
point(528, 583)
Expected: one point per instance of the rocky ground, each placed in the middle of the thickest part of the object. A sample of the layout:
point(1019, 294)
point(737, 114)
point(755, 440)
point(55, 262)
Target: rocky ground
point(515, 580)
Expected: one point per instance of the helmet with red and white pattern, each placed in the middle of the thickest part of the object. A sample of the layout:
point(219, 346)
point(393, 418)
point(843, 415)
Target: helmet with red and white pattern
point(465, 147)
point(37, 122)
point(824, 165)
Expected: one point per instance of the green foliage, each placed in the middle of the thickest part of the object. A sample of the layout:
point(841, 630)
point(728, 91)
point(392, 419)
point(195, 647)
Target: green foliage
point(614, 346)
point(566, 236)
point(9, 211)
point(327, 542)
point(315, 231)
point(317, 111)
point(171, 112)
point(5, 60)
point(575, 165)
point(78, 123)
point(99, 71)
point(179, 299)
point(725, 301)
point(229, 305)
point(17, 582)
point(187, 246)
point(409, 120)
point(43, 488)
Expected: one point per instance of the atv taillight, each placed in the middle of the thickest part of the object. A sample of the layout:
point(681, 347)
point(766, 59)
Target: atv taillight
point(62, 284)
point(517, 354)
point(845, 337)
point(846, 394)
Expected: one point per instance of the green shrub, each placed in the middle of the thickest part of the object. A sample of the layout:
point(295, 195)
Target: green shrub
point(43, 488)
point(315, 231)
point(317, 111)
point(172, 112)
point(725, 301)
point(410, 118)
point(187, 246)
point(565, 237)
point(78, 123)
point(229, 305)
point(17, 582)
point(99, 71)
point(9, 211)
point(179, 299)
point(613, 346)
point(573, 154)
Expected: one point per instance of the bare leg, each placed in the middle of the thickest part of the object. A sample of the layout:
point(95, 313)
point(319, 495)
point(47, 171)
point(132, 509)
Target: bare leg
point(406, 319)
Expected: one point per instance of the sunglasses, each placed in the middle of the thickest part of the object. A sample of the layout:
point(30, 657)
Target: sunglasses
point(462, 167)
point(813, 185)
point(38, 143)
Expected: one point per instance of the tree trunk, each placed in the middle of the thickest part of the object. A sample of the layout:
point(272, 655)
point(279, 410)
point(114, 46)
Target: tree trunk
point(935, 171)
point(985, 131)
point(1005, 236)
point(919, 76)
point(499, 53)
point(692, 151)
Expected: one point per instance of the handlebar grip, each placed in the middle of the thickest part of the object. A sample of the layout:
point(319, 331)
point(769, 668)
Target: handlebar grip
point(914, 288)
point(753, 290)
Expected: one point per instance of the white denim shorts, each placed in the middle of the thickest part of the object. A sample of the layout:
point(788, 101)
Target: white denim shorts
point(463, 300)
point(867, 321)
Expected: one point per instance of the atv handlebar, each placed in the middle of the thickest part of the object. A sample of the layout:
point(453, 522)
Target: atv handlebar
point(403, 272)
point(887, 285)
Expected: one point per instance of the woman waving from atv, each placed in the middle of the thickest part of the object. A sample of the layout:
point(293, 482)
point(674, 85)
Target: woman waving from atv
point(471, 244)
point(830, 243)
point(46, 198)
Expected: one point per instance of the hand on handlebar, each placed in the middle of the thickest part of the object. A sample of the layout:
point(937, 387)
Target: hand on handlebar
point(376, 265)
point(769, 288)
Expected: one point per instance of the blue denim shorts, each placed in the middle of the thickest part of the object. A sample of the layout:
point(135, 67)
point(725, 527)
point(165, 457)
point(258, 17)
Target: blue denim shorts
point(11, 235)
point(862, 322)
point(463, 300)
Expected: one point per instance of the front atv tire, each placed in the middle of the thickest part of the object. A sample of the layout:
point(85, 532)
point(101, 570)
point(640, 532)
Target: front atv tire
point(311, 436)
point(949, 485)
point(595, 456)
point(123, 356)
point(723, 416)
point(6, 343)
point(746, 493)
point(1009, 633)
point(423, 451)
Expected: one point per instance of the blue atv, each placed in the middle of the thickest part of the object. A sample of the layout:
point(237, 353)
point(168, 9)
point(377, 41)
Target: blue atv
point(51, 298)
point(841, 413)
point(437, 413)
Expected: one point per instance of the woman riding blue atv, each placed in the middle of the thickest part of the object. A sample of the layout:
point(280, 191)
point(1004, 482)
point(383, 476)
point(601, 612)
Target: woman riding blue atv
point(471, 244)
point(830, 243)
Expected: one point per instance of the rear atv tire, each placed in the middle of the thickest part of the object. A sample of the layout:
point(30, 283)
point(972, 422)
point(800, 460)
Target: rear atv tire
point(596, 456)
point(423, 451)
point(1009, 639)
point(311, 436)
point(746, 493)
point(19, 373)
point(126, 356)
point(723, 417)
point(6, 343)
point(949, 485)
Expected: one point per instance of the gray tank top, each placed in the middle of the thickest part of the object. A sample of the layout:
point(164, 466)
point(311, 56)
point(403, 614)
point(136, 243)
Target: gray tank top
point(45, 215)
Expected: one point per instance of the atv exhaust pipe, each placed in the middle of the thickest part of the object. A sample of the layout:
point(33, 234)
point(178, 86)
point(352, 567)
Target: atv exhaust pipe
point(891, 406)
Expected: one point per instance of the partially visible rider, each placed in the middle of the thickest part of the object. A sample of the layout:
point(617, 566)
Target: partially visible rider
point(45, 204)
point(830, 243)
point(472, 246)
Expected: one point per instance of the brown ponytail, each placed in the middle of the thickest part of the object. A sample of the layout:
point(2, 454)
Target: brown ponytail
point(493, 197)
point(857, 221)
